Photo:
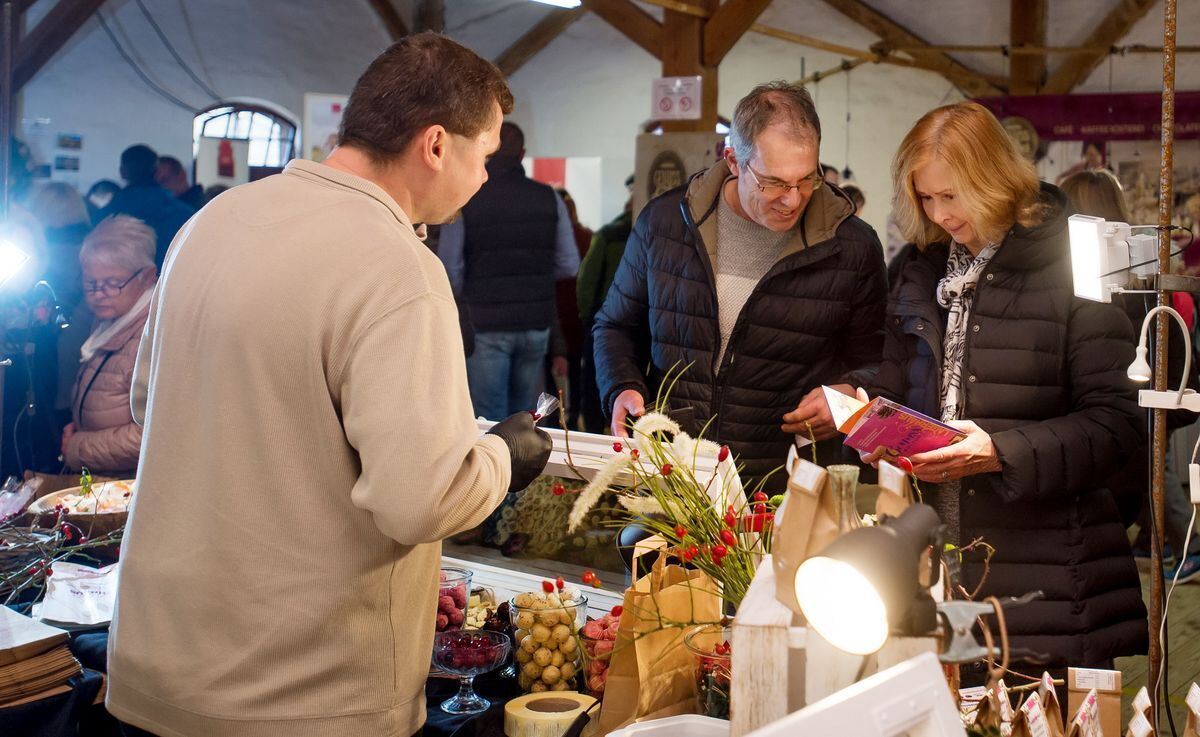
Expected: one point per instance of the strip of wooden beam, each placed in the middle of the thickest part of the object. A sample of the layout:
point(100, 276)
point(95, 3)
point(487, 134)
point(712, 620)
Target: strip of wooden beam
point(390, 18)
point(535, 39)
point(1027, 27)
point(893, 34)
point(727, 25)
point(636, 24)
point(431, 16)
point(51, 33)
point(1112, 29)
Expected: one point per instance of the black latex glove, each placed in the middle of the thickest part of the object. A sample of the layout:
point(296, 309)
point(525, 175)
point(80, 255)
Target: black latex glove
point(528, 447)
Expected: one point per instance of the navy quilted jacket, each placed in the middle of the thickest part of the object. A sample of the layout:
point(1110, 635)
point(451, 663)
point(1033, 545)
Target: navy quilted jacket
point(815, 318)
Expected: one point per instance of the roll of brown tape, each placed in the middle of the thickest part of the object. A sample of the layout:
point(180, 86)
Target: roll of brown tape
point(544, 714)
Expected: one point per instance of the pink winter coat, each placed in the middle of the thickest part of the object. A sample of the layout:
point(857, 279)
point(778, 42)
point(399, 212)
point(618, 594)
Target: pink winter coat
point(107, 441)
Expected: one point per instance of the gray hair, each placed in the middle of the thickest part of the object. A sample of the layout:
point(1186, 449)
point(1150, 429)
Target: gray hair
point(767, 104)
point(120, 241)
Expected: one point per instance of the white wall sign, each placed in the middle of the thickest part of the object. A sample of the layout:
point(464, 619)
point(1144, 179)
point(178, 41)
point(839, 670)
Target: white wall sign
point(322, 117)
point(676, 98)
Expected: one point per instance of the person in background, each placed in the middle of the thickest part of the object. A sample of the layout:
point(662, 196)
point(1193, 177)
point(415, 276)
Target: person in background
point(856, 196)
point(830, 174)
point(214, 191)
point(984, 331)
point(146, 200)
point(1093, 159)
point(119, 275)
point(99, 196)
point(596, 273)
point(309, 440)
point(503, 256)
point(171, 175)
point(754, 280)
point(1098, 193)
point(568, 324)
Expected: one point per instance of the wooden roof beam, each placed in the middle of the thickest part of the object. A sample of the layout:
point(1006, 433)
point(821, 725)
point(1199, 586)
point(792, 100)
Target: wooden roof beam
point(892, 33)
point(727, 25)
point(1027, 27)
point(51, 34)
point(535, 39)
point(390, 18)
point(636, 24)
point(1076, 68)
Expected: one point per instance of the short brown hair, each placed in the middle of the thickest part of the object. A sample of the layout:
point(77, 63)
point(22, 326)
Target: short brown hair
point(767, 104)
point(997, 184)
point(421, 80)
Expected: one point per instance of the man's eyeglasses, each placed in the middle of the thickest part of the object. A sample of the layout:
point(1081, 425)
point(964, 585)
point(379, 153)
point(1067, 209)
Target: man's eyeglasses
point(775, 189)
point(110, 287)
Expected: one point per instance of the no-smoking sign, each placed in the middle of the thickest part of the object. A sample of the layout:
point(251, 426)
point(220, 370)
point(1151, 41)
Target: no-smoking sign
point(676, 98)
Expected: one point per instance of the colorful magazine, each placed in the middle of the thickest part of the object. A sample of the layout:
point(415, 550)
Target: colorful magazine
point(884, 423)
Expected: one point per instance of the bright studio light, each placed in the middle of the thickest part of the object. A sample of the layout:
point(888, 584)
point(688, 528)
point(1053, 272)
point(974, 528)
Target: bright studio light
point(12, 260)
point(842, 605)
point(561, 3)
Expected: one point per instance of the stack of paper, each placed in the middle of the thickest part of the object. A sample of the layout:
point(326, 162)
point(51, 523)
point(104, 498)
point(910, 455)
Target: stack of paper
point(34, 660)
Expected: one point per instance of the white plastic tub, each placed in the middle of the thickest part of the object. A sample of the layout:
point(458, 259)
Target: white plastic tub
point(688, 725)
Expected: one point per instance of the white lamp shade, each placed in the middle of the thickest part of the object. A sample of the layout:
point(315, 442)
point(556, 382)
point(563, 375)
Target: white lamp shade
point(1139, 370)
point(842, 605)
point(12, 260)
point(1099, 256)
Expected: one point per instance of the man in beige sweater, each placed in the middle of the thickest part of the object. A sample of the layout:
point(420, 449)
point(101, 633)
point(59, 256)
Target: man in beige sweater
point(308, 431)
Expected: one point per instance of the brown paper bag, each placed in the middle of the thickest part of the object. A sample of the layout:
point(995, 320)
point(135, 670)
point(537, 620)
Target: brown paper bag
point(651, 671)
point(895, 491)
point(805, 524)
point(1032, 720)
point(1086, 722)
point(1193, 712)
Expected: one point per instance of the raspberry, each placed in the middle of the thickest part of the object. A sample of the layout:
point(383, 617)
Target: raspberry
point(459, 595)
point(445, 604)
point(442, 621)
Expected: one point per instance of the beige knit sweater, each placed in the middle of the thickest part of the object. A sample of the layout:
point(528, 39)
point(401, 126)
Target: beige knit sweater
point(308, 443)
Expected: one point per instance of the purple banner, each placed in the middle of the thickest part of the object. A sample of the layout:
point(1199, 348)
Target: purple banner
point(1116, 117)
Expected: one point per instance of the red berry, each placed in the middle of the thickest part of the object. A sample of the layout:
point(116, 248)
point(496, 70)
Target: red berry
point(719, 551)
point(616, 611)
point(680, 531)
point(666, 469)
point(49, 572)
point(82, 539)
point(617, 447)
point(596, 583)
point(634, 454)
point(730, 519)
point(559, 583)
point(904, 464)
point(760, 508)
point(718, 561)
point(588, 576)
point(691, 552)
point(728, 538)
point(723, 453)
point(548, 587)
point(558, 489)
point(759, 496)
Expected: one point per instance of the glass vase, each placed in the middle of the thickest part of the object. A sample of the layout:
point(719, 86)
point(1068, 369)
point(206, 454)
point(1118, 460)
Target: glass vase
point(843, 482)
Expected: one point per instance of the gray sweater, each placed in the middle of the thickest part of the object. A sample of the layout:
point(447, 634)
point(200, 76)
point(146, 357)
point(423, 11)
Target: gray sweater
point(746, 251)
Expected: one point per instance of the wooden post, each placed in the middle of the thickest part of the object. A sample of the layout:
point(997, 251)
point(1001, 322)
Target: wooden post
point(762, 691)
point(7, 100)
point(683, 56)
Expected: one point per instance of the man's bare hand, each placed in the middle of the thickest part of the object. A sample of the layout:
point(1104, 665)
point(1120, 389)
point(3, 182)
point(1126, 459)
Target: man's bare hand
point(813, 412)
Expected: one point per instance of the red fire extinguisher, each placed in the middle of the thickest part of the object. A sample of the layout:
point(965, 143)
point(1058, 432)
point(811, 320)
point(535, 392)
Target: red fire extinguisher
point(225, 158)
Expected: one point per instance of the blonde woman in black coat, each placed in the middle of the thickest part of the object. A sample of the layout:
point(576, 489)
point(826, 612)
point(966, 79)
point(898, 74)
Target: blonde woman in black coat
point(984, 331)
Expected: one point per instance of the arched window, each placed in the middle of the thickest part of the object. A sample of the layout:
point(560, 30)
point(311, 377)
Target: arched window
point(271, 136)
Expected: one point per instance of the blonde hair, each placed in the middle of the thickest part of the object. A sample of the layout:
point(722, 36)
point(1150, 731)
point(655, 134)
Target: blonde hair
point(997, 185)
point(57, 205)
point(1096, 192)
point(120, 241)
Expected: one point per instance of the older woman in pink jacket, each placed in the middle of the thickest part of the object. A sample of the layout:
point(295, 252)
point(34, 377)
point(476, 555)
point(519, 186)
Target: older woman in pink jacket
point(118, 279)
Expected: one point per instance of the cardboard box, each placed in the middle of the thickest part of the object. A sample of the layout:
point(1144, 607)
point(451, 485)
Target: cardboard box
point(1108, 687)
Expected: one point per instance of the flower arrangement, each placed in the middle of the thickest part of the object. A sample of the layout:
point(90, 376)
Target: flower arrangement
point(27, 551)
point(705, 518)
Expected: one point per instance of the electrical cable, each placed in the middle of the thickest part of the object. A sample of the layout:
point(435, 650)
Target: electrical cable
point(138, 70)
point(175, 54)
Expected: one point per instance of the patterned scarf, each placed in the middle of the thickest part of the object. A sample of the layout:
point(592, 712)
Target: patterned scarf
point(956, 292)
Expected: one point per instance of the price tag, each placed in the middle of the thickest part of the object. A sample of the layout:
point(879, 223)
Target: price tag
point(1193, 700)
point(1139, 726)
point(1100, 680)
point(1035, 716)
point(1141, 702)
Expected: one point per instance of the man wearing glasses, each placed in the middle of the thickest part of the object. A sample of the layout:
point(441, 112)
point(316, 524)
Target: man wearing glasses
point(757, 281)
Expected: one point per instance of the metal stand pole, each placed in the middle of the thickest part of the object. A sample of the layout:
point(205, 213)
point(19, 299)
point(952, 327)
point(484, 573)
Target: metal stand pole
point(1159, 445)
point(7, 20)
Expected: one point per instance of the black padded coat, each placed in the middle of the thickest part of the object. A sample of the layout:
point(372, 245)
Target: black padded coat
point(815, 318)
point(1044, 375)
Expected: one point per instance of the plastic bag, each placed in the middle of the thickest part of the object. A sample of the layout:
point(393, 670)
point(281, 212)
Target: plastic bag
point(546, 404)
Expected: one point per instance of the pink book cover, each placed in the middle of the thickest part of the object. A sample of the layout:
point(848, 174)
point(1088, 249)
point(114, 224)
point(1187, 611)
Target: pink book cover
point(882, 422)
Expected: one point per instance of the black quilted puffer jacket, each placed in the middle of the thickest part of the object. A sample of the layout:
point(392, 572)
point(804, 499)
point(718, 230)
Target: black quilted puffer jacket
point(815, 318)
point(1044, 375)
